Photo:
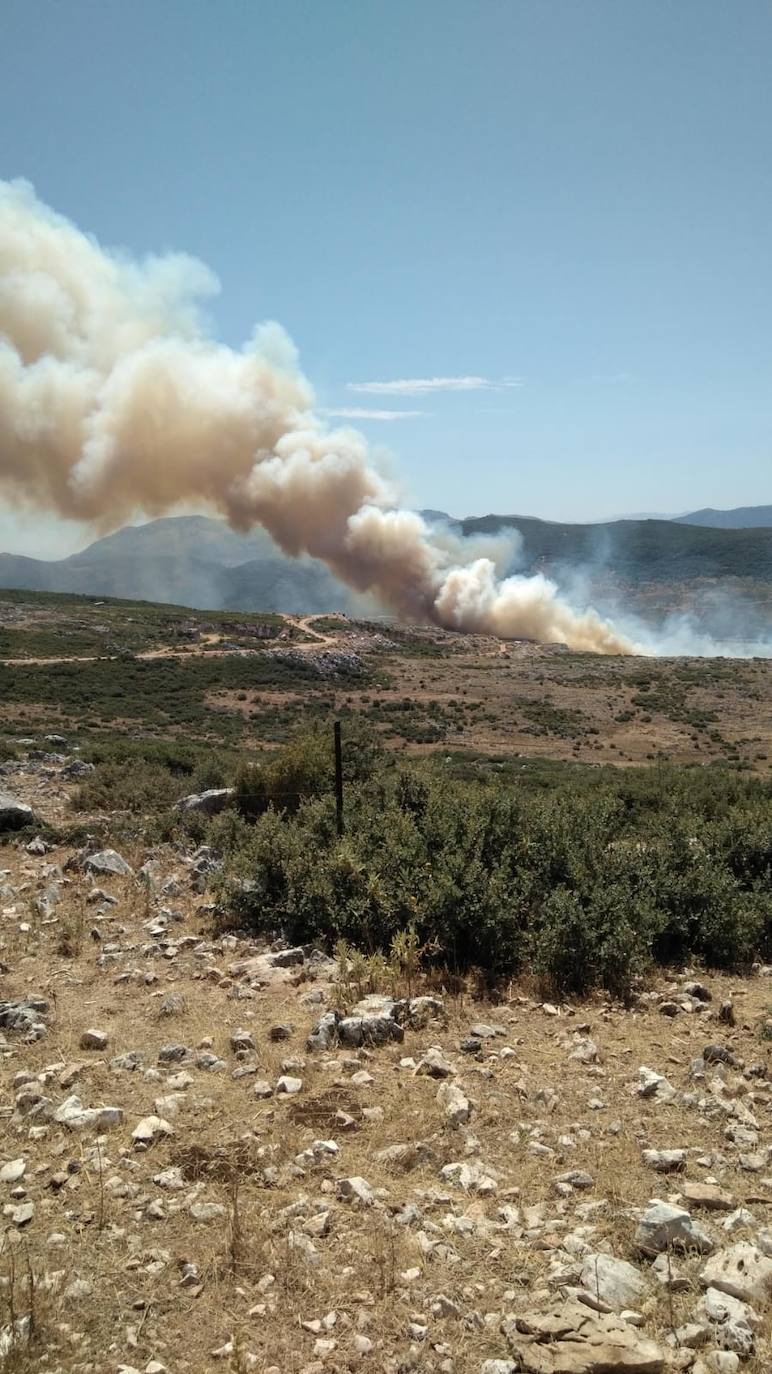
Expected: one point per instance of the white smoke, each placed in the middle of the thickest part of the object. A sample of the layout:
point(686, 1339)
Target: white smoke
point(114, 400)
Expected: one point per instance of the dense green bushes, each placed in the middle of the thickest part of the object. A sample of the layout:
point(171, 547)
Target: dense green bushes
point(584, 886)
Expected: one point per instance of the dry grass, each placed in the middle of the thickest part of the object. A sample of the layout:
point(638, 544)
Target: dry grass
point(255, 1287)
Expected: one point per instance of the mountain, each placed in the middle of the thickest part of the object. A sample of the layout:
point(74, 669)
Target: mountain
point(635, 550)
point(189, 561)
point(741, 518)
point(200, 562)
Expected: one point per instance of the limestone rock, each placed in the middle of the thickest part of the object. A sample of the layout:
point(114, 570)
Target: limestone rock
point(664, 1227)
point(613, 1281)
point(435, 1064)
point(107, 861)
point(664, 1161)
point(735, 1321)
point(289, 1085)
point(569, 1338)
point(150, 1129)
point(653, 1084)
point(12, 1171)
point(209, 803)
point(709, 1196)
point(742, 1270)
point(454, 1104)
point(15, 814)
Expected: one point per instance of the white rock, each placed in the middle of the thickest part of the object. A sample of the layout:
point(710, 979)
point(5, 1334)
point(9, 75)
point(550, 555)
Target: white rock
point(289, 1085)
point(652, 1084)
point(150, 1129)
point(664, 1161)
point(742, 1270)
point(722, 1362)
point(12, 1171)
point(740, 1220)
point(585, 1051)
point(613, 1281)
point(207, 1211)
point(356, 1190)
point(171, 1179)
point(454, 1104)
point(735, 1320)
point(666, 1274)
point(435, 1064)
point(664, 1227)
point(94, 1040)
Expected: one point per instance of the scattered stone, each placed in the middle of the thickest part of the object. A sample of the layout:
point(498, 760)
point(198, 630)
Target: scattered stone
point(26, 1016)
point(288, 1084)
point(107, 861)
point(207, 1211)
point(149, 1130)
point(668, 1276)
point(209, 803)
point(585, 1051)
point(735, 1321)
point(743, 1271)
point(435, 1064)
point(665, 1161)
point(709, 1196)
point(12, 1171)
point(356, 1190)
point(454, 1104)
point(569, 1338)
point(653, 1084)
point(664, 1227)
point(613, 1281)
point(15, 814)
point(94, 1040)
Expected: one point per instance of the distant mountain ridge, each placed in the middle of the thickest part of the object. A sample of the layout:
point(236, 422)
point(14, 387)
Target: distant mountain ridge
point(189, 560)
point(741, 518)
point(200, 562)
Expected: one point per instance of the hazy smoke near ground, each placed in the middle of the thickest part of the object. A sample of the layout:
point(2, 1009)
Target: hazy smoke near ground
point(114, 400)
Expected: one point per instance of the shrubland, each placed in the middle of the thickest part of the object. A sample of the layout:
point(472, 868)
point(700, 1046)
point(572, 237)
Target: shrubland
point(586, 885)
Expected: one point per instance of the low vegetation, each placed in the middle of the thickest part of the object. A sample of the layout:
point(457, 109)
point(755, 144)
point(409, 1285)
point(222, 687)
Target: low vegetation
point(587, 885)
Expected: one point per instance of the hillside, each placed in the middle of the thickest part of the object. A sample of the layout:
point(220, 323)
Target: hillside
point(641, 550)
point(742, 517)
point(722, 578)
point(186, 560)
point(233, 1143)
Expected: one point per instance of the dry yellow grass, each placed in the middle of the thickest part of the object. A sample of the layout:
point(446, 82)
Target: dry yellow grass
point(374, 1277)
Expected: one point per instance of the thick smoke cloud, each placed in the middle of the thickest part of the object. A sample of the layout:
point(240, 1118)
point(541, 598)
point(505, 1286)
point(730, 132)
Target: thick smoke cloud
point(114, 400)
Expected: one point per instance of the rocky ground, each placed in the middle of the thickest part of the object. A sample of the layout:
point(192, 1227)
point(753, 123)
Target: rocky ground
point(212, 1158)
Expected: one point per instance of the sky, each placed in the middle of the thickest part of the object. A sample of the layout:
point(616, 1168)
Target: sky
point(524, 245)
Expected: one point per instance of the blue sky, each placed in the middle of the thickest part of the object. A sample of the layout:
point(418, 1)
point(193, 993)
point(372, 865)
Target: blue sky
point(568, 200)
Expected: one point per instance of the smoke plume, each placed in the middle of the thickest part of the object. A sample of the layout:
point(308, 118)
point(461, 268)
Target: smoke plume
point(115, 400)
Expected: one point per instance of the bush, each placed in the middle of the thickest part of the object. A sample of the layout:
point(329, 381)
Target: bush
point(586, 886)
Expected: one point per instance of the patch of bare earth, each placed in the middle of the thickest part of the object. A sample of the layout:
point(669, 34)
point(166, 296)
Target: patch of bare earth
point(366, 1219)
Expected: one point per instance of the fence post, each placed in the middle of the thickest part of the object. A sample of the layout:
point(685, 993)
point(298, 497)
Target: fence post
point(338, 779)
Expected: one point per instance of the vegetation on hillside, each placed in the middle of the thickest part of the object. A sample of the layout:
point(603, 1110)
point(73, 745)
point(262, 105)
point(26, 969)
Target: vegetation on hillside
point(586, 885)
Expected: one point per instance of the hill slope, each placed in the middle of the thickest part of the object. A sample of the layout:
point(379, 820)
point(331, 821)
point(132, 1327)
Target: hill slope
point(187, 560)
point(741, 518)
point(639, 550)
point(202, 563)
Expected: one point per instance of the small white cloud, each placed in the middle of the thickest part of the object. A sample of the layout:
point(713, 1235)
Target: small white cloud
point(421, 386)
point(361, 413)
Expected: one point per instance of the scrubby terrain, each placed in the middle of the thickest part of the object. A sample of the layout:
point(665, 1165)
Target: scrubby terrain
point(480, 1085)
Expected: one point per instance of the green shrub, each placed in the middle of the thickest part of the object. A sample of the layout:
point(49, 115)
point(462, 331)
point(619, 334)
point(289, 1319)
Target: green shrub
point(586, 883)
